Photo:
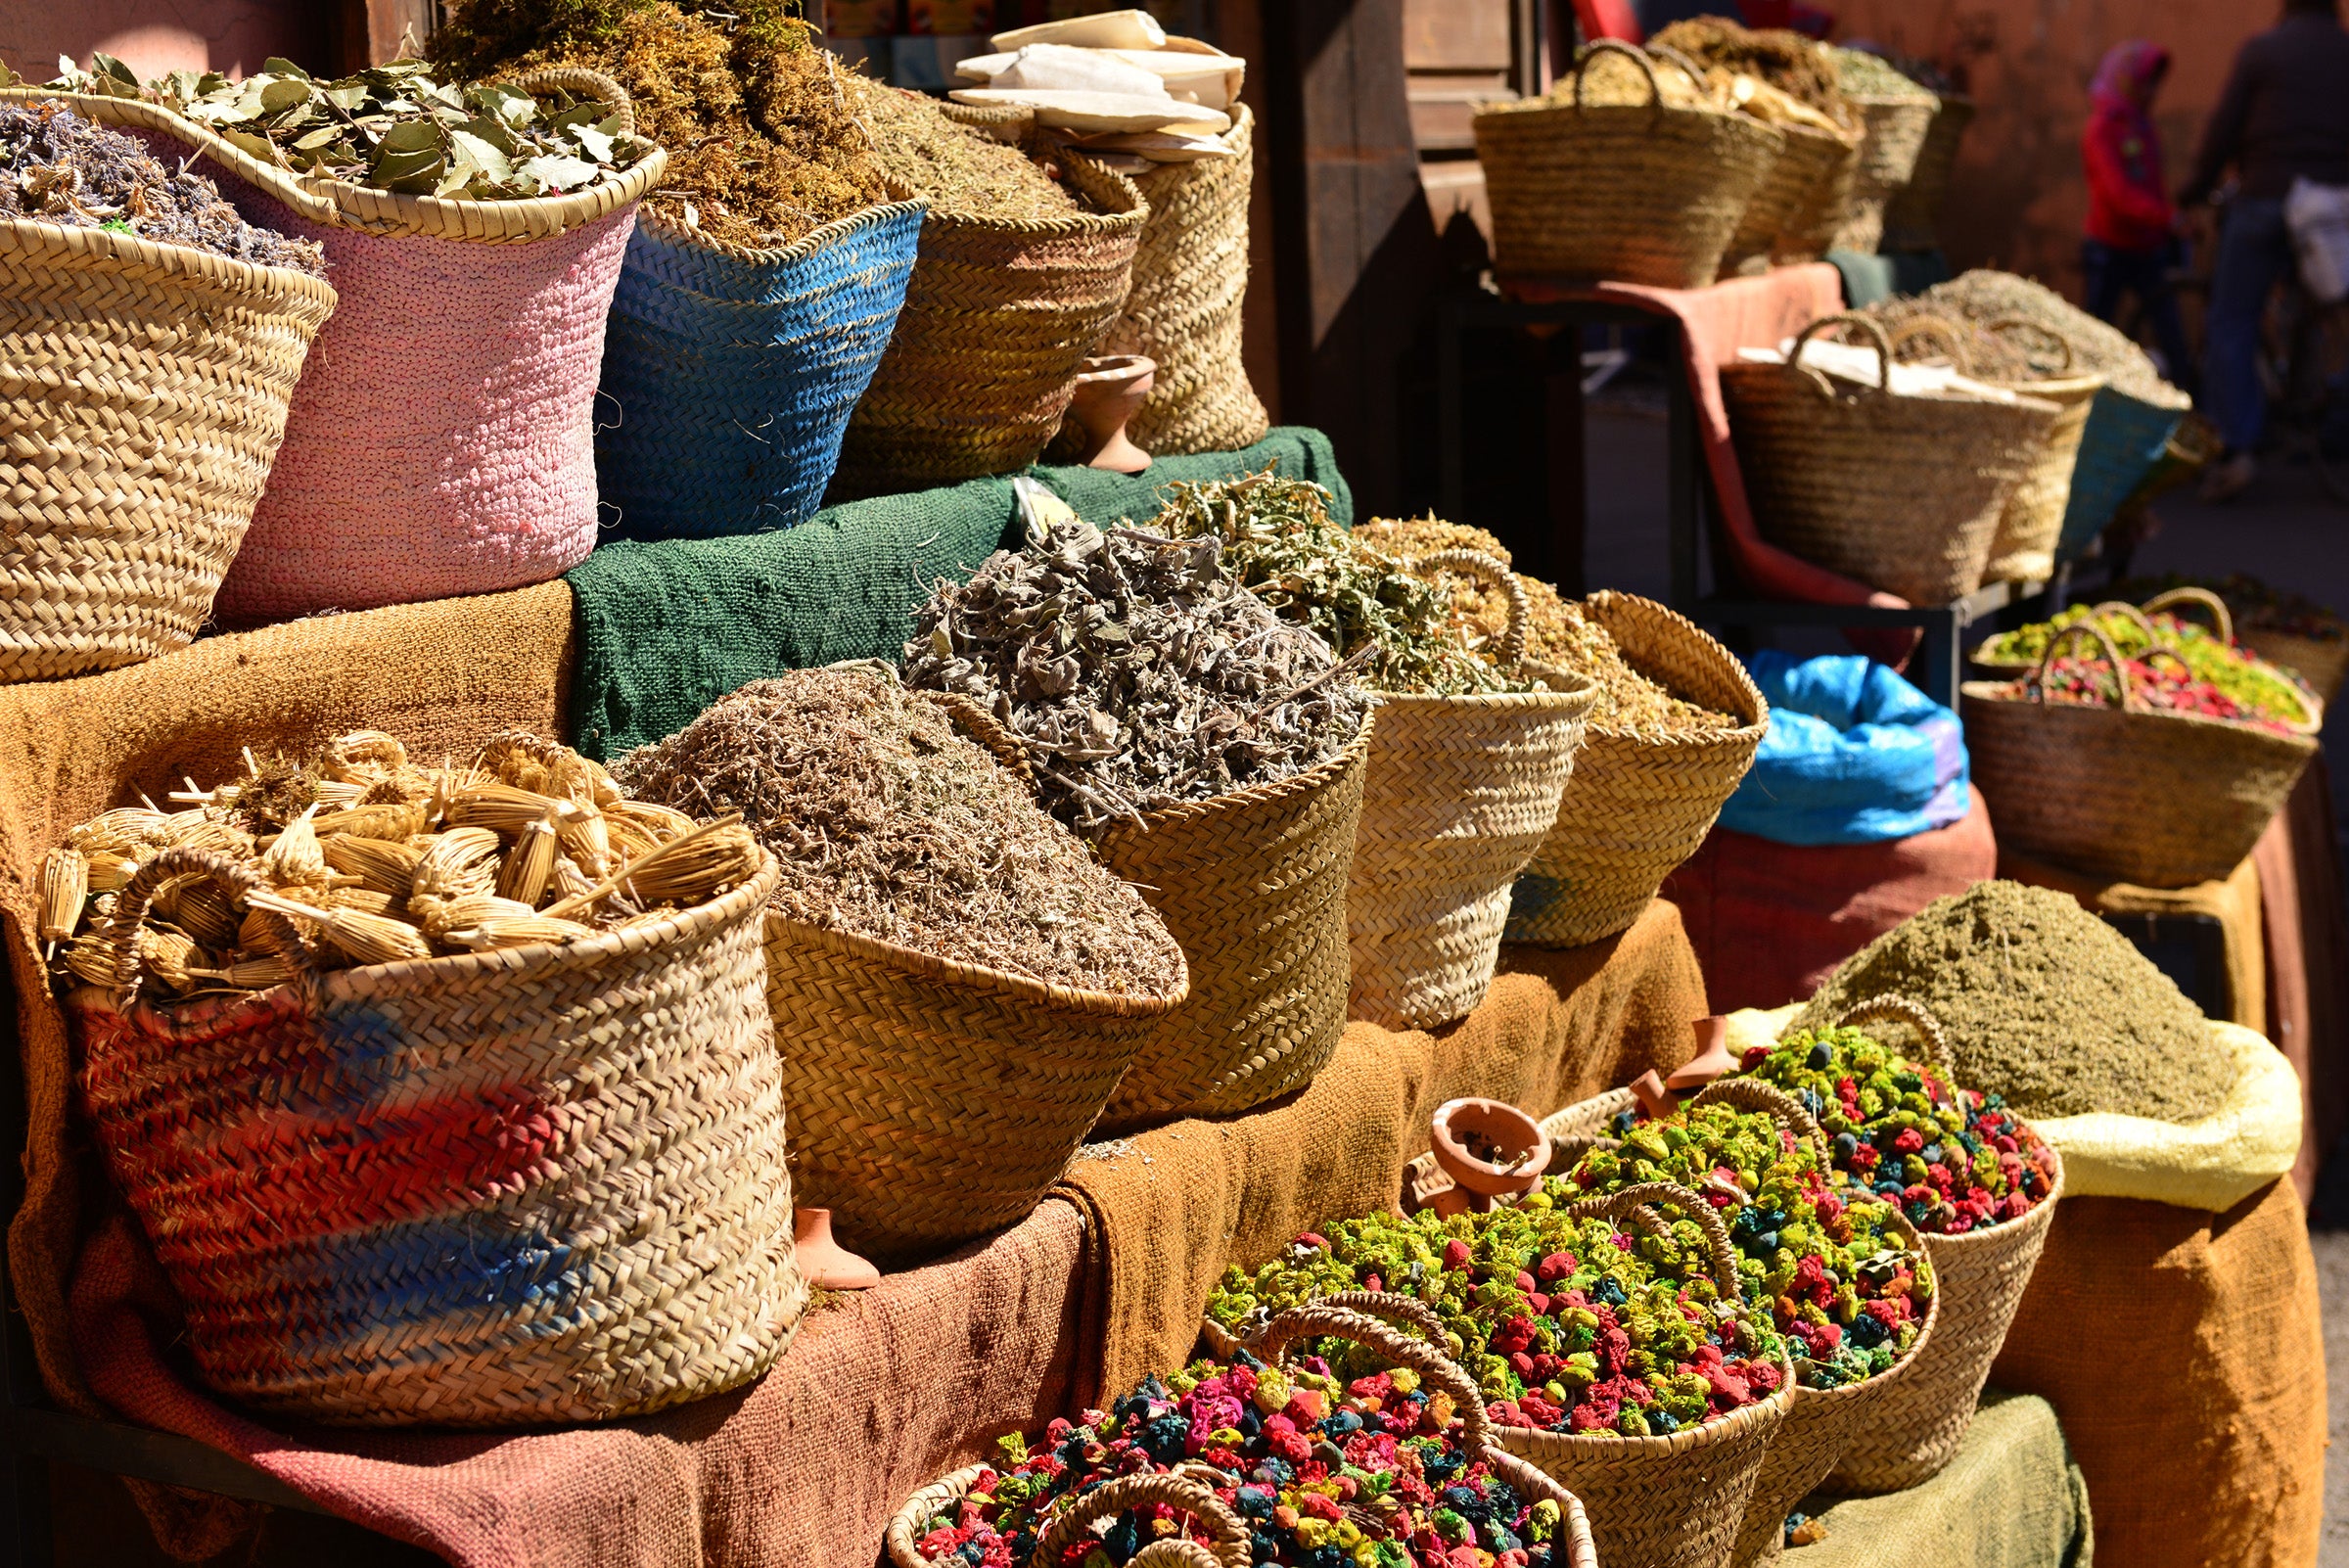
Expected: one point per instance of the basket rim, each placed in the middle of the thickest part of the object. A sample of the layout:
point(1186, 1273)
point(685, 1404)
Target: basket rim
point(652, 225)
point(1248, 797)
point(1924, 95)
point(1687, 1440)
point(1612, 600)
point(1917, 1347)
point(1572, 702)
point(1987, 691)
point(1536, 113)
point(187, 260)
point(948, 971)
point(2001, 1234)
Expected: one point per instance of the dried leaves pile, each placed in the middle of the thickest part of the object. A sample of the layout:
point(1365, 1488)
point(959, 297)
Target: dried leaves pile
point(889, 824)
point(1137, 671)
point(370, 859)
point(2098, 349)
point(965, 172)
point(57, 168)
point(1794, 65)
point(1278, 537)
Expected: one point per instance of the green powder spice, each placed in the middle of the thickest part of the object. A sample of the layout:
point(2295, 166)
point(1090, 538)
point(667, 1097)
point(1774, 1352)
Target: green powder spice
point(1986, 296)
point(2044, 1004)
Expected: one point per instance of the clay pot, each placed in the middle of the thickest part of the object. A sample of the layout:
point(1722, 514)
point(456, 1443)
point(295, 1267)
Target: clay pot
point(1653, 1097)
point(1110, 391)
point(1710, 1061)
point(824, 1262)
point(1525, 1147)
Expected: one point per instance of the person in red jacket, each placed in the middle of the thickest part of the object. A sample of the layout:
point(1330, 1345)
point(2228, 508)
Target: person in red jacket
point(2132, 227)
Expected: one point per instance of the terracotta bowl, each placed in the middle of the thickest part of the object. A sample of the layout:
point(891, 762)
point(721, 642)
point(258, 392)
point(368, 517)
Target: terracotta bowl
point(1459, 1123)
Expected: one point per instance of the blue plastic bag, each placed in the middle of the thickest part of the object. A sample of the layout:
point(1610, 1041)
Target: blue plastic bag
point(1855, 755)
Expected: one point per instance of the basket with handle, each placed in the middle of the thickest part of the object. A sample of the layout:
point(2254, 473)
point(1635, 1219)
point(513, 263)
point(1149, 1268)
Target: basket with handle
point(1639, 193)
point(1904, 493)
point(539, 1184)
point(1185, 1494)
point(1458, 794)
point(2023, 550)
point(1892, 140)
point(148, 390)
point(1913, 1425)
point(1639, 805)
point(1795, 213)
point(2115, 789)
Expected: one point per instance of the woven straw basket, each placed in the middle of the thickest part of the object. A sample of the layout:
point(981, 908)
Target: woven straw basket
point(539, 1184)
point(1252, 886)
point(1190, 276)
point(1892, 139)
point(1459, 794)
point(147, 387)
point(2163, 800)
point(1634, 193)
point(1912, 218)
point(730, 372)
point(1794, 216)
point(997, 319)
point(1639, 805)
point(2320, 663)
point(1903, 493)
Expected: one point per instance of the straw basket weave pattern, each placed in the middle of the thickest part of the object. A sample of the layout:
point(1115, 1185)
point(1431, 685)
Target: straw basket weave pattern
point(1634, 193)
point(1892, 138)
point(147, 392)
point(1912, 218)
point(1190, 277)
point(729, 373)
point(1902, 493)
point(2023, 548)
point(1639, 805)
point(1795, 213)
point(539, 1184)
point(1253, 887)
point(997, 319)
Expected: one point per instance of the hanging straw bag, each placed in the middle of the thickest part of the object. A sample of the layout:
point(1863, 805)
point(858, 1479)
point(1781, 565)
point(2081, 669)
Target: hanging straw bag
point(1904, 493)
point(2163, 800)
point(1641, 193)
point(1892, 140)
point(1794, 216)
point(1190, 277)
point(1912, 218)
point(998, 318)
point(730, 372)
point(1639, 805)
point(539, 1184)
point(147, 387)
point(1459, 794)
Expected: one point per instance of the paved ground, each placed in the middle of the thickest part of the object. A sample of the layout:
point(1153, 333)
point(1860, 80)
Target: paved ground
point(2332, 1281)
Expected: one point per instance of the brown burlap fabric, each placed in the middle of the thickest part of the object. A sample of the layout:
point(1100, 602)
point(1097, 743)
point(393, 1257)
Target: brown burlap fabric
point(1180, 1203)
point(2185, 1352)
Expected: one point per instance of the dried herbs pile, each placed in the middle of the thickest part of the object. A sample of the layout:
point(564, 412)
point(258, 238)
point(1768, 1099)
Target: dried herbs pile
point(1278, 535)
point(2097, 348)
point(765, 145)
point(1981, 353)
point(1558, 633)
point(963, 171)
point(1135, 670)
point(57, 168)
point(2044, 1004)
point(1566, 1325)
point(2226, 682)
point(375, 859)
point(1864, 75)
point(887, 824)
point(1787, 60)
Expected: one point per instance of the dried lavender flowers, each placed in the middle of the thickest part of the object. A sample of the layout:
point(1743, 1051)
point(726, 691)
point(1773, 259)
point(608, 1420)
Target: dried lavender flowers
point(1137, 671)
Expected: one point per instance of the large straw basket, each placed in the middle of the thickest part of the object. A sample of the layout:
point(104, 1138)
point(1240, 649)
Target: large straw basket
point(1892, 139)
point(1459, 794)
point(1639, 805)
point(1636, 193)
point(997, 319)
point(538, 1185)
point(2320, 663)
point(1252, 886)
point(1912, 217)
point(729, 372)
point(147, 387)
point(1903, 493)
point(1190, 277)
point(2160, 799)
point(1794, 216)
point(2023, 550)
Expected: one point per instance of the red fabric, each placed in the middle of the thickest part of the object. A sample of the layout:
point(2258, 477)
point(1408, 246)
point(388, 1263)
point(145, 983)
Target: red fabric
point(2128, 198)
point(1771, 921)
point(2306, 932)
point(1609, 18)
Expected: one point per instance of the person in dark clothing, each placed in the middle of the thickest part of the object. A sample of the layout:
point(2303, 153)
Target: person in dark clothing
point(2284, 116)
point(2131, 224)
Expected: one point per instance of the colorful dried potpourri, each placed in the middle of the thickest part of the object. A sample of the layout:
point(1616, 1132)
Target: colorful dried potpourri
point(1840, 1283)
point(1954, 1160)
point(1135, 670)
point(1568, 1325)
point(1278, 535)
point(2163, 682)
point(1324, 1474)
point(2250, 691)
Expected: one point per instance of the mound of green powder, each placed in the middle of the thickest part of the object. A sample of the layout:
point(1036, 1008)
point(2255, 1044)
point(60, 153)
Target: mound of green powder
point(2044, 1003)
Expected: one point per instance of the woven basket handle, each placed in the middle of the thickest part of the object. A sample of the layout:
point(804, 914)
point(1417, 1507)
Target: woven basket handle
point(1493, 575)
point(1940, 329)
point(581, 83)
point(1625, 1204)
point(1391, 1307)
point(129, 918)
point(923, 1506)
point(1666, 52)
point(1917, 1016)
point(1752, 1094)
point(1182, 1492)
point(2022, 324)
point(2090, 630)
point(1632, 52)
point(2203, 598)
point(986, 731)
point(1876, 340)
point(1315, 1319)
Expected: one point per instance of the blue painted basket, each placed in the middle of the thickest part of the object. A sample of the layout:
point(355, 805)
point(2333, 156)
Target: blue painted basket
point(730, 374)
point(2125, 439)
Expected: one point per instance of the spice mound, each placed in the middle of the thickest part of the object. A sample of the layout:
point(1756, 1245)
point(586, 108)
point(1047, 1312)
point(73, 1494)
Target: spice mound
point(2098, 349)
point(1137, 673)
point(887, 824)
point(963, 171)
point(367, 859)
point(1323, 1473)
point(2216, 680)
point(1278, 535)
point(1954, 1160)
point(57, 168)
point(1566, 1325)
point(2043, 1003)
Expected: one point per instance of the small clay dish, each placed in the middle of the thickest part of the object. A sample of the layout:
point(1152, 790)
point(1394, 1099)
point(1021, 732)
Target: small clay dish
point(1464, 1126)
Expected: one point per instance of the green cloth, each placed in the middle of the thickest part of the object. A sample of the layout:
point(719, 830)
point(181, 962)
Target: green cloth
point(2011, 1499)
point(667, 628)
point(1868, 279)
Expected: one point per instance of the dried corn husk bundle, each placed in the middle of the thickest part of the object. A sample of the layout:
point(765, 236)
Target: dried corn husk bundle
point(368, 857)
